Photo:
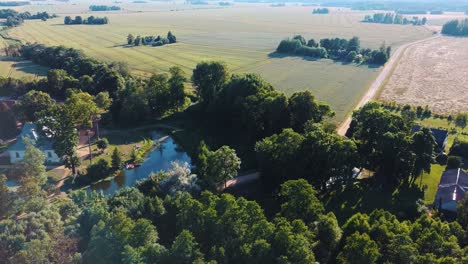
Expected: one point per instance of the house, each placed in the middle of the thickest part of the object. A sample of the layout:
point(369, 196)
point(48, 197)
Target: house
point(18, 149)
point(452, 188)
point(440, 136)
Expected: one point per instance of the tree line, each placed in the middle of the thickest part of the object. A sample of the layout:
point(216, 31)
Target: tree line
point(104, 8)
point(151, 40)
point(336, 49)
point(14, 18)
point(15, 3)
point(391, 18)
point(321, 11)
point(456, 28)
point(91, 20)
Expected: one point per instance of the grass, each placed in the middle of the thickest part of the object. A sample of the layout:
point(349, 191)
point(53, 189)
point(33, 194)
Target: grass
point(241, 36)
point(429, 182)
point(21, 69)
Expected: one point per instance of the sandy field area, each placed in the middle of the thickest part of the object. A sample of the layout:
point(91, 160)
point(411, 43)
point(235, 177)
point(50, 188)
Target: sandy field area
point(433, 73)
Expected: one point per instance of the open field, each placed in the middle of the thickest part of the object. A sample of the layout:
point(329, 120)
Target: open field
point(432, 73)
point(241, 36)
point(21, 69)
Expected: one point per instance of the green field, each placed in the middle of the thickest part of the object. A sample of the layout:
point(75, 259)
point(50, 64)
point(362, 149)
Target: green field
point(243, 36)
point(21, 69)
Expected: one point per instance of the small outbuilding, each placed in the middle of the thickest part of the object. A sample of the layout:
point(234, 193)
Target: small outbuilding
point(18, 149)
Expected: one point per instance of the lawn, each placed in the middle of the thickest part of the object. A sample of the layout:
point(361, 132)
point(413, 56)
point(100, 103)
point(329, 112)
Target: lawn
point(240, 35)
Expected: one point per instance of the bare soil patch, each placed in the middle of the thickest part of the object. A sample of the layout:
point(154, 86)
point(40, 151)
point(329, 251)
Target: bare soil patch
point(433, 73)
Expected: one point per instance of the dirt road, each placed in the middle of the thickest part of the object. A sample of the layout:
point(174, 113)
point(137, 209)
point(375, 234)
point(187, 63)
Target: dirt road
point(383, 75)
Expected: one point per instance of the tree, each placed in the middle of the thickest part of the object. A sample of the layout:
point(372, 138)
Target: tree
point(32, 103)
point(185, 249)
point(103, 100)
point(461, 120)
point(78, 20)
point(59, 126)
point(137, 41)
point(354, 44)
point(222, 165)
point(68, 20)
point(423, 147)
point(32, 170)
point(303, 107)
point(102, 144)
point(130, 39)
point(179, 179)
point(176, 87)
point(81, 109)
point(202, 159)
point(6, 198)
point(116, 159)
point(158, 95)
point(358, 249)
point(300, 201)
point(209, 78)
point(171, 37)
point(328, 234)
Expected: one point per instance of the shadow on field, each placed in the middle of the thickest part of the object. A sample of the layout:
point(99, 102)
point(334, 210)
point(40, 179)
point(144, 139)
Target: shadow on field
point(276, 55)
point(29, 67)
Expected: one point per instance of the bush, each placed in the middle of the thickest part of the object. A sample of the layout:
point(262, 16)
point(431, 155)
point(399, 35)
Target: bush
point(453, 162)
point(102, 144)
point(99, 170)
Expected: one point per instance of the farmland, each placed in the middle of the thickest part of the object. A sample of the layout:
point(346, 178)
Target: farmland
point(241, 36)
point(432, 73)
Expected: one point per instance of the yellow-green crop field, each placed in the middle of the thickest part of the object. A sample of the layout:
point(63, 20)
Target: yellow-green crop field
point(244, 36)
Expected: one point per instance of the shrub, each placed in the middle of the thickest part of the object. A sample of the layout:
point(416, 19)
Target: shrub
point(459, 148)
point(288, 46)
point(102, 144)
point(442, 159)
point(453, 162)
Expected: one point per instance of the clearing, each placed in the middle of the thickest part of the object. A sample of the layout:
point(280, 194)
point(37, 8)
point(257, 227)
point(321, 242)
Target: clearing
point(240, 35)
point(432, 73)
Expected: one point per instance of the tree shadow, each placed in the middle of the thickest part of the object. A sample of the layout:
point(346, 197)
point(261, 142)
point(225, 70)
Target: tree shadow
point(364, 196)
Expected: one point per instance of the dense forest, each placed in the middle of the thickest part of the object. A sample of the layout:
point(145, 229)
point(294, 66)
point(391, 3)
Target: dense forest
point(336, 49)
point(456, 28)
point(103, 8)
point(151, 40)
point(91, 20)
point(390, 18)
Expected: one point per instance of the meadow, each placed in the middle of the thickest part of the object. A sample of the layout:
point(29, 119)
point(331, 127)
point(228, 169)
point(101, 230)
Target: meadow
point(244, 36)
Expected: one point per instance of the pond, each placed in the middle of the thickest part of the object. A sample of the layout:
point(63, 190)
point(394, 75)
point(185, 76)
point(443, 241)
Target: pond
point(158, 159)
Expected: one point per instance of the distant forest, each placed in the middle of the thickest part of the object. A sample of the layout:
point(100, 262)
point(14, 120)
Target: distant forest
point(390, 18)
point(92, 20)
point(335, 49)
point(104, 8)
point(15, 3)
point(402, 6)
point(321, 11)
point(456, 28)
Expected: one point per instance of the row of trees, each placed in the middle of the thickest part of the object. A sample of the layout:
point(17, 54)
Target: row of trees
point(104, 8)
point(15, 3)
point(151, 40)
point(391, 18)
point(91, 20)
point(336, 49)
point(456, 28)
point(13, 18)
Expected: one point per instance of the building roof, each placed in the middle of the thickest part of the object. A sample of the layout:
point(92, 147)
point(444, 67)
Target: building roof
point(453, 186)
point(29, 131)
point(439, 134)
